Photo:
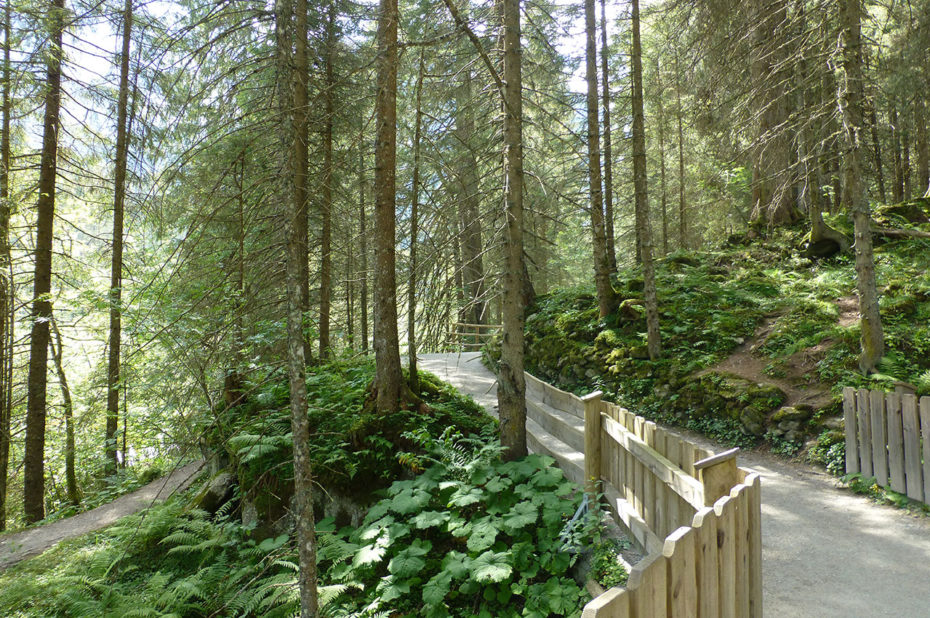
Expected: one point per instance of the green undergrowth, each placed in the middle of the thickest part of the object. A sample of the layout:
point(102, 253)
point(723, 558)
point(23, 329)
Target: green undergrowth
point(713, 301)
point(169, 561)
point(471, 536)
point(353, 449)
point(867, 486)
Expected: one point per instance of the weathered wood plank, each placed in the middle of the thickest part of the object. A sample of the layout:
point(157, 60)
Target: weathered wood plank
point(686, 486)
point(661, 500)
point(865, 431)
point(628, 518)
point(682, 590)
point(879, 437)
point(592, 441)
point(850, 426)
point(705, 545)
point(725, 510)
point(925, 446)
point(754, 482)
point(614, 603)
point(895, 440)
point(648, 585)
point(910, 426)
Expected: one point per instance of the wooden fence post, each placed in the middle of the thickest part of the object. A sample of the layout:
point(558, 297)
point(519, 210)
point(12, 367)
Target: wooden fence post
point(592, 440)
point(718, 475)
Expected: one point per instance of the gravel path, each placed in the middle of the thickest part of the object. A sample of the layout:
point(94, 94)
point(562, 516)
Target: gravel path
point(32, 542)
point(825, 551)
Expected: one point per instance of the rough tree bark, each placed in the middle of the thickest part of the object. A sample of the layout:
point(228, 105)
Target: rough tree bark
point(511, 391)
point(326, 191)
point(641, 197)
point(897, 189)
point(412, 377)
point(389, 381)
point(469, 214)
point(116, 265)
point(293, 101)
point(923, 147)
point(362, 239)
point(662, 184)
point(606, 297)
point(849, 98)
point(679, 112)
point(34, 459)
point(771, 183)
point(6, 284)
point(608, 146)
point(57, 349)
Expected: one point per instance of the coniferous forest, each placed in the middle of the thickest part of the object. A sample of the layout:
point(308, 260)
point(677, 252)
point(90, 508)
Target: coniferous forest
point(236, 232)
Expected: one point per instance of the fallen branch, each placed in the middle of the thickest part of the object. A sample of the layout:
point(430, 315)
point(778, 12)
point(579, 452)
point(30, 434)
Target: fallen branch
point(899, 233)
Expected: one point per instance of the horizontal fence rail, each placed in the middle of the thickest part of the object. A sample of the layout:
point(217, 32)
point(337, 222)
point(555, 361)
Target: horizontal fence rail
point(888, 438)
point(471, 337)
point(696, 514)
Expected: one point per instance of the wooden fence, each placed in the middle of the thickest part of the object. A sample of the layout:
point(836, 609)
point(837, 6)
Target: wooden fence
point(696, 515)
point(471, 337)
point(888, 437)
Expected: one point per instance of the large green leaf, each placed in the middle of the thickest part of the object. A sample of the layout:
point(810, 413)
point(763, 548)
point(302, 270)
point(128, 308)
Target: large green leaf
point(491, 567)
point(436, 589)
point(408, 562)
point(483, 534)
point(431, 519)
point(521, 515)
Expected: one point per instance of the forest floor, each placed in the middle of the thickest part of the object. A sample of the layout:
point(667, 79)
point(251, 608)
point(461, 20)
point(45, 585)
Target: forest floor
point(18, 546)
point(825, 551)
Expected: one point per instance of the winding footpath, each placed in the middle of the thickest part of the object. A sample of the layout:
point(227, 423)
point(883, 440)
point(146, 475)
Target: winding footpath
point(18, 546)
point(825, 551)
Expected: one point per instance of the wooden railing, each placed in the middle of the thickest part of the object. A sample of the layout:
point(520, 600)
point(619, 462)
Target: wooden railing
point(888, 437)
point(470, 337)
point(696, 515)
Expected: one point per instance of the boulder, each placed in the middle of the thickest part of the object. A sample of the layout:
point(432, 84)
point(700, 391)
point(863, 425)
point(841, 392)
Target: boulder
point(797, 414)
point(216, 492)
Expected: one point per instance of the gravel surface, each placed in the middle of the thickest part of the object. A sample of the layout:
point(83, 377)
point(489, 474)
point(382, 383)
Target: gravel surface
point(825, 551)
point(32, 542)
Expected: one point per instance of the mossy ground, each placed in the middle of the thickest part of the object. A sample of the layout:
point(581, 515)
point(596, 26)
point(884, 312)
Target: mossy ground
point(711, 303)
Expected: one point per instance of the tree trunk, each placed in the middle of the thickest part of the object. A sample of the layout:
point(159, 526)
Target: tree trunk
point(771, 194)
point(923, 147)
point(300, 124)
point(34, 458)
point(906, 162)
point(877, 152)
point(468, 204)
point(6, 282)
point(897, 190)
point(679, 112)
point(412, 378)
point(116, 265)
point(388, 377)
point(326, 191)
point(850, 103)
point(362, 240)
point(511, 391)
point(663, 187)
point(608, 147)
point(296, 106)
point(606, 297)
point(641, 197)
point(74, 495)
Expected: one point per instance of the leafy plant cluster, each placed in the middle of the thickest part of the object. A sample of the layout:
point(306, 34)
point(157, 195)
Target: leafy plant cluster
point(606, 569)
point(830, 452)
point(169, 561)
point(867, 486)
point(353, 448)
point(710, 302)
point(470, 536)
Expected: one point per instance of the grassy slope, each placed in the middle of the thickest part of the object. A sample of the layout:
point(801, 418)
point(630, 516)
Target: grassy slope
point(715, 302)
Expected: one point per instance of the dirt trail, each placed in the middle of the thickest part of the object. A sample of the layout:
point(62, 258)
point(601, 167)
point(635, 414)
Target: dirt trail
point(826, 552)
point(799, 382)
point(17, 547)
